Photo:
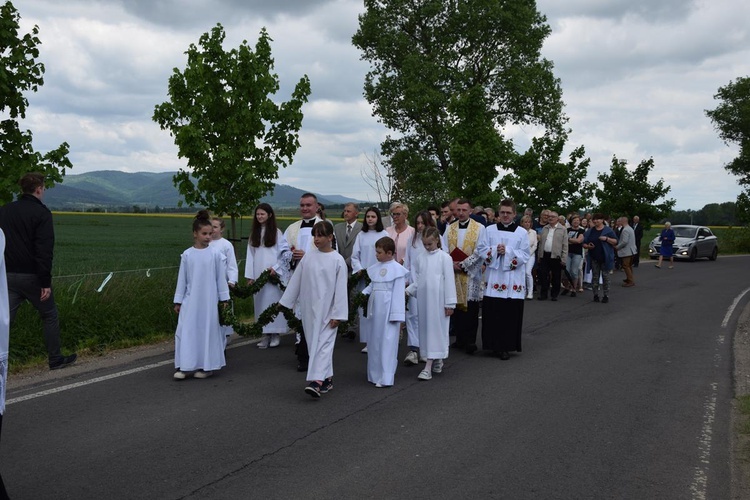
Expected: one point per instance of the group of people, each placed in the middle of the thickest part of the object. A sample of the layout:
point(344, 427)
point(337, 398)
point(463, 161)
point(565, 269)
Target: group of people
point(441, 274)
point(429, 279)
point(583, 250)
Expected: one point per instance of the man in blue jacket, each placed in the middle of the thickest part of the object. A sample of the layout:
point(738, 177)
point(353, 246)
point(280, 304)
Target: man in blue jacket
point(30, 241)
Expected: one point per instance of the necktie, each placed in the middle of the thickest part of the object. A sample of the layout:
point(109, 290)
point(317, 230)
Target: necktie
point(348, 232)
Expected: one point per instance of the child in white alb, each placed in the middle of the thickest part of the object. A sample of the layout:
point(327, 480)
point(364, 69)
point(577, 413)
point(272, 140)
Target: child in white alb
point(434, 286)
point(227, 249)
point(386, 309)
point(318, 286)
point(201, 285)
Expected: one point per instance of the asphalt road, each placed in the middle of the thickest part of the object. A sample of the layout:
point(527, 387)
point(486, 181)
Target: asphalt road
point(629, 399)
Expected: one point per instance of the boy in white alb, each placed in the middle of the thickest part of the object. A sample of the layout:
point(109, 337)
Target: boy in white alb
point(386, 310)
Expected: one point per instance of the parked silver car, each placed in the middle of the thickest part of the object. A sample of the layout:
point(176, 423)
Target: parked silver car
point(691, 242)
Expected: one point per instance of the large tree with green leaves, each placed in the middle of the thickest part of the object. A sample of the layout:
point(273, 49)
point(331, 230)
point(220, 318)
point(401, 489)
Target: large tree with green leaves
point(628, 192)
point(20, 72)
point(540, 179)
point(446, 76)
point(731, 119)
point(226, 124)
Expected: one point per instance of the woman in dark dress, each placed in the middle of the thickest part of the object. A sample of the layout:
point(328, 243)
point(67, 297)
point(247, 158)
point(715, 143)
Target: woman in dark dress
point(666, 238)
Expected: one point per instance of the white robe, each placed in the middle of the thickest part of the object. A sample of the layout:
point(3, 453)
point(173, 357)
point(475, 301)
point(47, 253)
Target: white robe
point(363, 256)
point(4, 324)
point(227, 250)
point(434, 287)
point(201, 284)
point(385, 313)
point(502, 281)
point(414, 249)
point(258, 260)
point(318, 287)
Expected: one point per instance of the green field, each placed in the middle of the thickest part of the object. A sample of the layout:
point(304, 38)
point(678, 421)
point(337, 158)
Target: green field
point(142, 252)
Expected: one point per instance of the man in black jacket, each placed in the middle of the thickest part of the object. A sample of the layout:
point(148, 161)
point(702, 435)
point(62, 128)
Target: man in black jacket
point(30, 241)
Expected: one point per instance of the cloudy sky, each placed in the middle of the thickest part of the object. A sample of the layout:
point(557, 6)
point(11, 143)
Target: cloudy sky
point(637, 76)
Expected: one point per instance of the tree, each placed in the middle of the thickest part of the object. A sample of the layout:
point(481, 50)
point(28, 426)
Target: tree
point(731, 119)
point(19, 73)
point(224, 122)
point(539, 179)
point(626, 192)
point(446, 76)
point(378, 178)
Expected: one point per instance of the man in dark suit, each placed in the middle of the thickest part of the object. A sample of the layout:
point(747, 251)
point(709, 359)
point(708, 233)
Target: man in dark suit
point(638, 230)
point(346, 232)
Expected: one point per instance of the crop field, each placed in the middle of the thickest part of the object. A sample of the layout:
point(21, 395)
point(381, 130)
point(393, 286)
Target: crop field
point(114, 277)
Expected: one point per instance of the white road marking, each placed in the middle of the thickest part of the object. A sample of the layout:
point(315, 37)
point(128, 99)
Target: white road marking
point(733, 307)
point(103, 378)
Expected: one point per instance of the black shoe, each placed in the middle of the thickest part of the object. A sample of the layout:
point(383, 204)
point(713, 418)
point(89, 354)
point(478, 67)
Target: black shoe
point(63, 361)
point(327, 386)
point(564, 291)
point(456, 345)
point(554, 299)
point(313, 389)
point(504, 355)
point(471, 349)
point(541, 298)
point(302, 367)
point(572, 294)
point(605, 299)
point(596, 298)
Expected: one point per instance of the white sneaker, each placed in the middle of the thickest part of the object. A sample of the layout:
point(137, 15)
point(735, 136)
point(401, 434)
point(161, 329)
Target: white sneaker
point(275, 340)
point(364, 350)
point(202, 374)
point(424, 375)
point(178, 375)
point(530, 296)
point(412, 358)
point(264, 342)
point(437, 366)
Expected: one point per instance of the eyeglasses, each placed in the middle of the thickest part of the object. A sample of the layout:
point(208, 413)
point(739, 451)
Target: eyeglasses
point(397, 214)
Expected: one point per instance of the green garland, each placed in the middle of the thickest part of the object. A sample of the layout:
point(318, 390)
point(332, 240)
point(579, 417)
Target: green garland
point(244, 291)
point(255, 329)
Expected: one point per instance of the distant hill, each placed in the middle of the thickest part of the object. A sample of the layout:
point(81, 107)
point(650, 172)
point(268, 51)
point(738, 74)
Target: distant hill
point(113, 190)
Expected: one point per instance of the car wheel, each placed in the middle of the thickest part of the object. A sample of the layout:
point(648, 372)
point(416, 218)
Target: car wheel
point(714, 254)
point(693, 254)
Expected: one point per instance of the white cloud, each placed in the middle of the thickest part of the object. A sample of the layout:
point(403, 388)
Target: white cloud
point(637, 76)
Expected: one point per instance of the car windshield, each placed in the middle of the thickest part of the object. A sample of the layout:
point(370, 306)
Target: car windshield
point(684, 232)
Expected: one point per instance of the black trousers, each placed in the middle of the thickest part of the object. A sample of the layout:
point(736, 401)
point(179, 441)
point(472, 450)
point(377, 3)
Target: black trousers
point(23, 287)
point(549, 270)
point(465, 324)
